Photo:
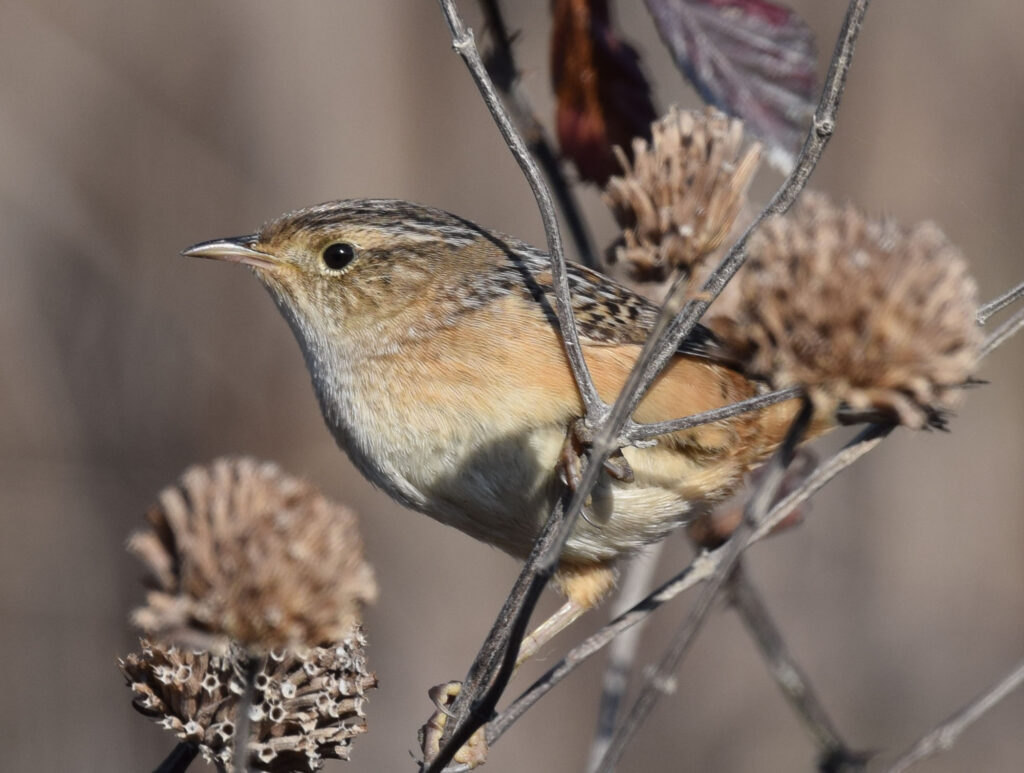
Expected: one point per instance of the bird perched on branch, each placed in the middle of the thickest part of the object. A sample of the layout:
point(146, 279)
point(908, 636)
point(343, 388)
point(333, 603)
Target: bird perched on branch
point(435, 353)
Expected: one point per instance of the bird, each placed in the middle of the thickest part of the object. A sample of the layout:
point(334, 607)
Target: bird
point(436, 357)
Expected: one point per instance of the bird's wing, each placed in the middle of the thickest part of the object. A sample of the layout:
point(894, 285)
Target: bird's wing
point(607, 314)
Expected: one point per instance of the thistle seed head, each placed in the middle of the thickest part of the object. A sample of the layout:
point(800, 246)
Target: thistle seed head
point(678, 200)
point(238, 550)
point(859, 311)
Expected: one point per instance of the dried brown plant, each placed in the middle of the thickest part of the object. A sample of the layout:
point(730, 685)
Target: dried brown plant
point(678, 200)
point(308, 703)
point(240, 551)
point(859, 311)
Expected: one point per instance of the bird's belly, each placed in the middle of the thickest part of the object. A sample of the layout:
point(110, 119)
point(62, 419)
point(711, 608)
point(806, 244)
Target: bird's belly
point(496, 482)
point(502, 491)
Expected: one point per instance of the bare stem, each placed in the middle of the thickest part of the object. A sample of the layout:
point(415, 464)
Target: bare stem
point(502, 68)
point(465, 46)
point(622, 654)
point(945, 735)
point(754, 514)
point(1004, 332)
point(179, 759)
point(1000, 303)
point(787, 673)
point(243, 725)
point(641, 432)
point(495, 662)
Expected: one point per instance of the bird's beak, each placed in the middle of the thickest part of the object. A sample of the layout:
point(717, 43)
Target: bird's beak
point(237, 249)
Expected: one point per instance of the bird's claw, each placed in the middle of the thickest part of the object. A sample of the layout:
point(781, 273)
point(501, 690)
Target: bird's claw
point(473, 753)
point(579, 436)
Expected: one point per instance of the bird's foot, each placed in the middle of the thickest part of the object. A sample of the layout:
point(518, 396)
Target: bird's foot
point(474, 752)
point(578, 438)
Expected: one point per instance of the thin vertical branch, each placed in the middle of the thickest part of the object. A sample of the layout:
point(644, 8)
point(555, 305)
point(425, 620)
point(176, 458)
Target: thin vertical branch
point(501, 66)
point(787, 673)
point(465, 46)
point(755, 514)
point(179, 759)
point(622, 654)
point(243, 724)
point(945, 735)
point(495, 662)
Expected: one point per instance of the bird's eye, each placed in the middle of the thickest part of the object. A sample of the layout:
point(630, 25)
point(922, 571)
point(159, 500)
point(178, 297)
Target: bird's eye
point(338, 255)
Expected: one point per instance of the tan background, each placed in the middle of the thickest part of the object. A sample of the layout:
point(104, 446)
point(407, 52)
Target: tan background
point(130, 130)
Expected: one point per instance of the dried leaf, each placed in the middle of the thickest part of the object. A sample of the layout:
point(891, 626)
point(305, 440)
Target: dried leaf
point(603, 98)
point(750, 58)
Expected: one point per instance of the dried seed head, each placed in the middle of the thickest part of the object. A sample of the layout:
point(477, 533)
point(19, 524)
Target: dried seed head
point(307, 705)
point(239, 550)
point(679, 198)
point(858, 311)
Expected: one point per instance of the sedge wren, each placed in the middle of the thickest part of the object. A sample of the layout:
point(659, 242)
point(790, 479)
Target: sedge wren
point(435, 354)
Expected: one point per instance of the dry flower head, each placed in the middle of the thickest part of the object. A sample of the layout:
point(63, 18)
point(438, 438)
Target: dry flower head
point(678, 200)
point(859, 311)
point(308, 703)
point(239, 550)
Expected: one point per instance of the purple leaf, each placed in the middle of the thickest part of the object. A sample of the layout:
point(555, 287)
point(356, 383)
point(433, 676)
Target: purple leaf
point(750, 58)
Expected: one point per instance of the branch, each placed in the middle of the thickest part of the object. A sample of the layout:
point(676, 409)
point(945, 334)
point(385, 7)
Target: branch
point(998, 304)
point(702, 567)
point(640, 432)
point(501, 66)
point(743, 595)
point(945, 735)
point(179, 759)
point(1001, 334)
point(622, 654)
point(755, 513)
point(464, 45)
point(480, 693)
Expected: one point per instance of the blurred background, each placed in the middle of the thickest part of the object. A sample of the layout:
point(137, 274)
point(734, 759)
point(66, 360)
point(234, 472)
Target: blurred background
point(131, 130)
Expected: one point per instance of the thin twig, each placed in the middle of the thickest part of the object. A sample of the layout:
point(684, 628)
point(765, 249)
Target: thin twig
point(495, 662)
point(622, 653)
point(243, 724)
point(698, 570)
point(754, 514)
point(179, 759)
point(945, 735)
point(465, 46)
point(1002, 333)
point(501, 66)
point(787, 673)
point(1000, 303)
point(641, 432)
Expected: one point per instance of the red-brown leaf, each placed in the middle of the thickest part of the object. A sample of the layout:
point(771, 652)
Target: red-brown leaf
point(603, 98)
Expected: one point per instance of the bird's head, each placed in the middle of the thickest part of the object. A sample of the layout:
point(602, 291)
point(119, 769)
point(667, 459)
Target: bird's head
point(357, 269)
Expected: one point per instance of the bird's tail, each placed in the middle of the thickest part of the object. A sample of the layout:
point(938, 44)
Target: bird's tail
point(775, 421)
